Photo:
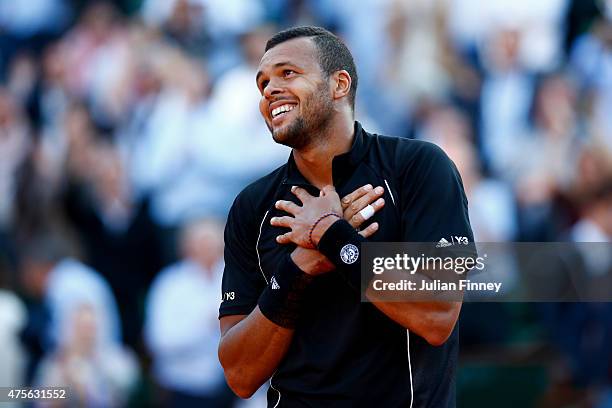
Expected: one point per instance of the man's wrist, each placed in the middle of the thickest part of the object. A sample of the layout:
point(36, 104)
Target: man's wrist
point(321, 228)
point(337, 238)
point(281, 301)
point(311, 261)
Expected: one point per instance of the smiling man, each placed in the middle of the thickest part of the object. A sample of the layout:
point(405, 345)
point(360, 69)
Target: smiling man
point(291, 310)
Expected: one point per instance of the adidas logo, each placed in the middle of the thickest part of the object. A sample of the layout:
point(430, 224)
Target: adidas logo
point(443, 243)
point(275, 284)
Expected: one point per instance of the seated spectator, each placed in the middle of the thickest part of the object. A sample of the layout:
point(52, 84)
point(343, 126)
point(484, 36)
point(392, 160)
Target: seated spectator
point(181, 327)
point(64, 283)
point(96, 374)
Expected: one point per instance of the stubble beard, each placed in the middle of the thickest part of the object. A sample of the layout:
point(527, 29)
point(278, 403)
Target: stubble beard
point(308, 128)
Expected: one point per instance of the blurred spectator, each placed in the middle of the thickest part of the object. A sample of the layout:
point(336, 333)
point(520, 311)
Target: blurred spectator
point(540, 24)
point(12, 321)
point(182, 329)
point(591, 61)
point(64, 282)
point(582, 331)
point(117, 233)
point(97, 57)
point(247, 151)
point(595, 224)
point(222, 22)
point(29, 25)
point(14, 146)
point(547, 172)
point(96, 374)
point(492, 206)
point(159, 143)
point(505, 100)
point(580, 15)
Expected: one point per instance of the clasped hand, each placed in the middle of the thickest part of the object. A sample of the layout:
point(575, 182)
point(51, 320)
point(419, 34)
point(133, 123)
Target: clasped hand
point(302, 218)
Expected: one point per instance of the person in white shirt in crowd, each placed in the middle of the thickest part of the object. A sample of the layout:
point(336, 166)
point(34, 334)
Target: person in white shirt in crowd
point(181, 327)
point(96, 374)
point(65, 283)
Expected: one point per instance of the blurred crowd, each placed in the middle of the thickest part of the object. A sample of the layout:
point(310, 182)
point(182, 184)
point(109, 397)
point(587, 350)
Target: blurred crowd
point(127, 127)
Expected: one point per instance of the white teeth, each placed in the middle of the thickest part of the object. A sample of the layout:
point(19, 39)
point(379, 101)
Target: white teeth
point(281, 109)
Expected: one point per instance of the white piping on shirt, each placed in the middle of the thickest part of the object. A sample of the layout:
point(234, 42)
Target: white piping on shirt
point(257, 247)
point(409, 367)
point(279, 394)
point(389, 190)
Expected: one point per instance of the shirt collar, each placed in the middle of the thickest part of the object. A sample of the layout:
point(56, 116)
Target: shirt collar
point(342, 165)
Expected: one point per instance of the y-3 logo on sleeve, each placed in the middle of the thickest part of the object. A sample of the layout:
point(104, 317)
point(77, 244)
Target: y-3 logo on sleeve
point(454, 239)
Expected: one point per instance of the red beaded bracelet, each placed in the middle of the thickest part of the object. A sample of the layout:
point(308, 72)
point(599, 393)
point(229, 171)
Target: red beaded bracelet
point(331, 214)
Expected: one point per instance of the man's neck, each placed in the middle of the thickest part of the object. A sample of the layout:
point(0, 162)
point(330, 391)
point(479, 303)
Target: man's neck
point(315, 161)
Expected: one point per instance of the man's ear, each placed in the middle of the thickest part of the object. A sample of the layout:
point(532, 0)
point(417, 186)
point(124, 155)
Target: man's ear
point(341, 84)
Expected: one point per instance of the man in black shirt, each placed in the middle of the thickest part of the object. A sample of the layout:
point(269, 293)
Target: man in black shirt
point(291, 309)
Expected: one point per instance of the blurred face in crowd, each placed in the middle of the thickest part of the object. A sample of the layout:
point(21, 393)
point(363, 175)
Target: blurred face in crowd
point(202, 242)
point(296, 100)
point(34, 276)
point(83, 330)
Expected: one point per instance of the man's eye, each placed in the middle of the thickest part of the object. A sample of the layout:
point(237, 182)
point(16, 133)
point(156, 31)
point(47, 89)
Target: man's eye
point(288, 72)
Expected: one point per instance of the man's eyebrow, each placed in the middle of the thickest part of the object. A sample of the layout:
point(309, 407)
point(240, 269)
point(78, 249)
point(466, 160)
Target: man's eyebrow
point(278, 64)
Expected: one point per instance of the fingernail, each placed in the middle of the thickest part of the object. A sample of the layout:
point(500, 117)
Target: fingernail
point(380, 201)
point(379, 190)
point(345, 200)
point(368, 187)
point(293, 188)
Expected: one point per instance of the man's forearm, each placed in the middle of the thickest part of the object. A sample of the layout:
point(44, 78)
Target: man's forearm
point(432, 320)
point(252, 346)
point(251, 350)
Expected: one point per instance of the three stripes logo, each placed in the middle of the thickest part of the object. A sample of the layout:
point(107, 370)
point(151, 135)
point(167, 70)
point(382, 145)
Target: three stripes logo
point(443, 243)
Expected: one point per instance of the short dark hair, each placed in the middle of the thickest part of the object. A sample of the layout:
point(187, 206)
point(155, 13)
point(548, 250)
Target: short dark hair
point(334, 55)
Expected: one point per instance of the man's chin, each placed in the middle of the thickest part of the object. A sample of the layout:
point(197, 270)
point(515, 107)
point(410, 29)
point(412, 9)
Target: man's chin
point(290, 134)
point(281, 136)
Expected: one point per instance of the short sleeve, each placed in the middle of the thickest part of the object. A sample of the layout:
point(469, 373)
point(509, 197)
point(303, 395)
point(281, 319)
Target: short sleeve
point(434, 207)
point(242, 280)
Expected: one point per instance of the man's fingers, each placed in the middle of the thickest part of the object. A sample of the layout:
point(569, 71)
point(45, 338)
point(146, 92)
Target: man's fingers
point(359, 204)
point(281, 221)
point(366, 213)
point(287, 206)
point(355, 195)
point(301, 193)
point(370, 230)
point(284, 239)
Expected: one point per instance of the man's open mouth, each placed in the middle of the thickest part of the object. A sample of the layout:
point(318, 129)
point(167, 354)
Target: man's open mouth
point(281, 110)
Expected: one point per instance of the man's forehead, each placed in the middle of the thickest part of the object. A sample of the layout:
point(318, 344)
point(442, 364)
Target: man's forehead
point(299, 51)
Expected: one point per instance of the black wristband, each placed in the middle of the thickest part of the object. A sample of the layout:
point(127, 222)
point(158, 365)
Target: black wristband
point(341, 244)
point(282, 299)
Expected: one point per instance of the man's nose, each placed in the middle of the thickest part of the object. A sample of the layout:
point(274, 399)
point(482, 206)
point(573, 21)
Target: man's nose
point(272, 89)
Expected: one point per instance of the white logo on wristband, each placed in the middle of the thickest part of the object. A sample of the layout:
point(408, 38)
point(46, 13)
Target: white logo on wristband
point(349, 254)
point(274, 283)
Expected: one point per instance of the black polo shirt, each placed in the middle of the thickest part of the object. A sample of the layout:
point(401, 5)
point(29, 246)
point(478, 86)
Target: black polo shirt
point(346, 353)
